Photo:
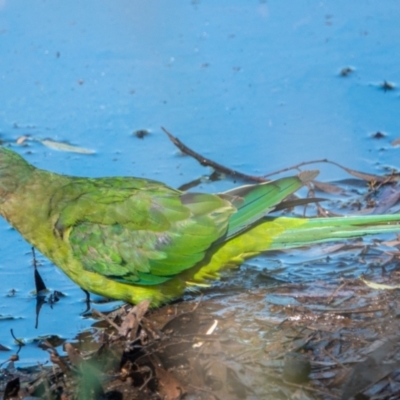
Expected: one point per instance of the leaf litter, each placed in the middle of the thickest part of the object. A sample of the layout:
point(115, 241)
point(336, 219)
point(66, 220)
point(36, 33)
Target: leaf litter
point(276, 333)
point(334, 341)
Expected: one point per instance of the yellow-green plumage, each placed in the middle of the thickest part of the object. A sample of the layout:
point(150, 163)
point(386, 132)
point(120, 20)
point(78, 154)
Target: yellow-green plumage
point(134, 239)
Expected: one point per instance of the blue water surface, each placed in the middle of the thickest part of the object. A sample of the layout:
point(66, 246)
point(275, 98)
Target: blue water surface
point(254, 85)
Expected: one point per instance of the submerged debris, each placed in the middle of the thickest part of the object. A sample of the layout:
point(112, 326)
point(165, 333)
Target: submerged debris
point(346, 71)
point(386, 86)
point(141, 133)
point(314, 341)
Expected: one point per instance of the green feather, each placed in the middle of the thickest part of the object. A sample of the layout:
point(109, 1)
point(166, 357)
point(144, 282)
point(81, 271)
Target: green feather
point(258, 200)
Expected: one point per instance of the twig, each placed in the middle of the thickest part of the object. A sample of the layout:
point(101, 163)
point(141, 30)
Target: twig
point(338, 362)
point(20, 342)
point(149, 378)
point(105, 317)
point(296, 166)
point(340, 287)
point(209, 163)
point(355, 311)
point(360, 175)
point(237, 174)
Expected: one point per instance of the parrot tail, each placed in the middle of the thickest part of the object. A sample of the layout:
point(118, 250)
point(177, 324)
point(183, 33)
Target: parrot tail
point(284, 233)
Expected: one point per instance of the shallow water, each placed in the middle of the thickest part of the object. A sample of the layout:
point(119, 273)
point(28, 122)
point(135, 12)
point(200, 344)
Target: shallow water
point(253, 85)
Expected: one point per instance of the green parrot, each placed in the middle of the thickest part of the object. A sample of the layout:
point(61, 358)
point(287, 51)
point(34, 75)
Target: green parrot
point(133, 239)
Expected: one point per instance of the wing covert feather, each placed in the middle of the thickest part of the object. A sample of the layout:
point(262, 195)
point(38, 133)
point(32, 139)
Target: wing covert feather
point(139, 233)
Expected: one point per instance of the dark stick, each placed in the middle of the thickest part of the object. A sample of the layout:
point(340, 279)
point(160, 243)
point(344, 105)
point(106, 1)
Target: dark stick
point(237, 174)
point(207, 162)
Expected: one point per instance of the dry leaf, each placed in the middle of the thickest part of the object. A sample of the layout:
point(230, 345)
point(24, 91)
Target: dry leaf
point(73, 354)
point(23, 139)
point(379, 286)
point(132, 320)
point(169, 387)
point(66, 147)
point(328, 188)
point(388, 198)
point(396, 142)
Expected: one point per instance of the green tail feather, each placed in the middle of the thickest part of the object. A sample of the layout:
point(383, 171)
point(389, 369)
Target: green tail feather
point(255, 201)
point(320, 230)
point(285, 233)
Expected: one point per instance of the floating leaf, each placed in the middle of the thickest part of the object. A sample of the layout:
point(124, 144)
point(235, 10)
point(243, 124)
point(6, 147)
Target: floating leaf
point(378, 135)
point(328, 188)
point(66, 147)
point(385, 85)
point(388, 198)
point(6, 317)
point(141, 133)
point(4, 348)
point(22, 139)
point(346, 71)
point(380, 286)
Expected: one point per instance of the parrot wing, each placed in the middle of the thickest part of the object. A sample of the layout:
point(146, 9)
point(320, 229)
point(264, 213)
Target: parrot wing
point(142, 232)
